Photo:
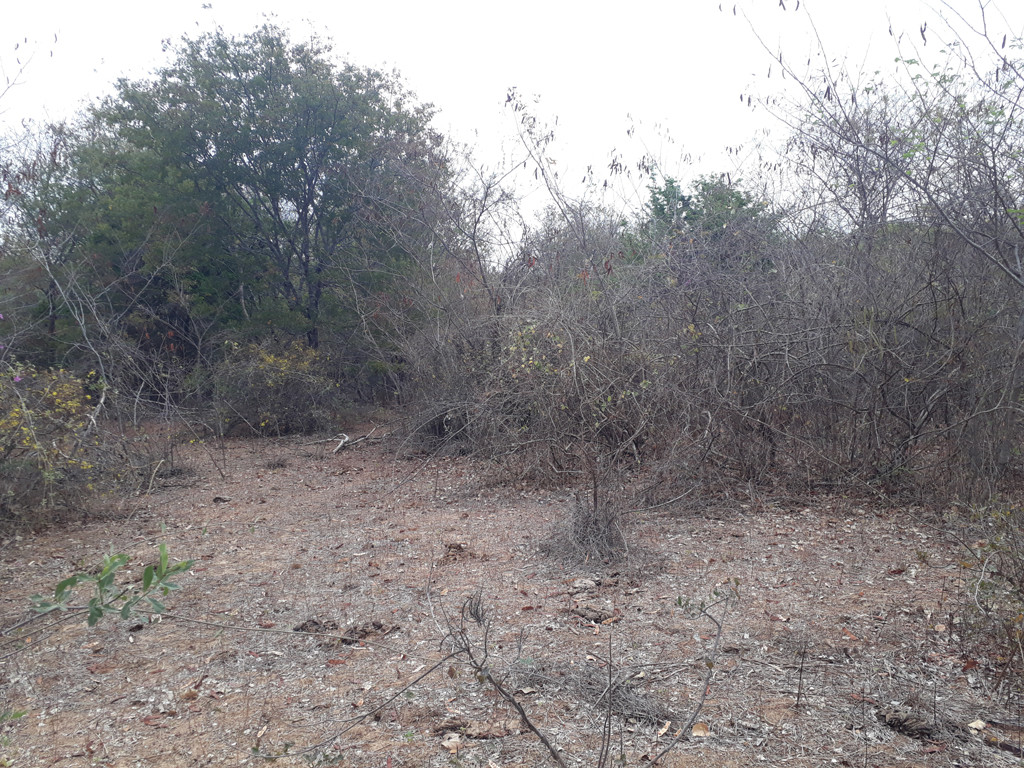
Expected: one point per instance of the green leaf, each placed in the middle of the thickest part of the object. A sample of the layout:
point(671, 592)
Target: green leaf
point(44, 606)
point(64, 586)
point(163, 559)
point(95, 613)
point(158, 607)
point(147, 578)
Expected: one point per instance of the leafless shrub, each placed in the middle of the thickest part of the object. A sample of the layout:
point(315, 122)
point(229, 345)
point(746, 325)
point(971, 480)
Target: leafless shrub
point(595, 529)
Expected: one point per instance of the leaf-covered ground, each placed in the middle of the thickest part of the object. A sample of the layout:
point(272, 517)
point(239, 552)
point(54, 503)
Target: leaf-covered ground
point(316, 626)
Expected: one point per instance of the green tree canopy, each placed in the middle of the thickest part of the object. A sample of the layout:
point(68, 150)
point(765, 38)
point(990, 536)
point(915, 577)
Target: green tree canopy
point(252, 189)
point(295, 159)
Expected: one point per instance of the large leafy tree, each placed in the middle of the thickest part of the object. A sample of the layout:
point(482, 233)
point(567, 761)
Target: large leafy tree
point(297, 165)
point(251, 188)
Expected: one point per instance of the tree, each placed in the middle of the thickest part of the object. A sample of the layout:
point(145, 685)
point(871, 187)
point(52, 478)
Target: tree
point(251, 190)
point(717, 219)
point(295, 159)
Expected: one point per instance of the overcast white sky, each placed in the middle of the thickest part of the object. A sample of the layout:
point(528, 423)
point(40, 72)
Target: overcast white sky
point(673, 70)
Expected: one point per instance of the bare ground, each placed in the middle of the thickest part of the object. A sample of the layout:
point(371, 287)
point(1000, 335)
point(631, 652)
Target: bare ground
point(839, 642)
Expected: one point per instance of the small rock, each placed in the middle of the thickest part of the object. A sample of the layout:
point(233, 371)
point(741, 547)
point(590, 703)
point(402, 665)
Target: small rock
point(582, 585)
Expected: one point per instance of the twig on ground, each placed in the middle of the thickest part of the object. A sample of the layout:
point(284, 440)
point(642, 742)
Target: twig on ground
point(477, 656)
point(684, 733)
point(344, 440)
point(347, 443)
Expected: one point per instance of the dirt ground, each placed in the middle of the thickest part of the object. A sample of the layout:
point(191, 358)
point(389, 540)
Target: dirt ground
point(316, 626)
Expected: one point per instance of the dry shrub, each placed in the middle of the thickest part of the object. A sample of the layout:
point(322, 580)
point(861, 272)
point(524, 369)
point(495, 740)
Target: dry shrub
point(275, 389)
point(44, 421)
point(57, 456)
point(596, 530)
point(989, 618)
point(884, 369)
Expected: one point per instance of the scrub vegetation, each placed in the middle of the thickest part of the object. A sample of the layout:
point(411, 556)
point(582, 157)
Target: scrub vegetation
point(259, 241)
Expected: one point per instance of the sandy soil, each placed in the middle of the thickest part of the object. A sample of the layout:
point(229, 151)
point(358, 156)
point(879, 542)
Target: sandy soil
point(316, 625)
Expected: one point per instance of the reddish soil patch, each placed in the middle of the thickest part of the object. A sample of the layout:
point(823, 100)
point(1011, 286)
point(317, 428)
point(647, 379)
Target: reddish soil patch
point(838, 646)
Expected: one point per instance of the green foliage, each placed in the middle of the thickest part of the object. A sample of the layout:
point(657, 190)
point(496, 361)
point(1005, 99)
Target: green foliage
point(252, 189)
point(717, 220)
point(8, 716)
point(718, 206)
point(668, 207)
point(713, 204)
point(289, 156)
point(109, 597)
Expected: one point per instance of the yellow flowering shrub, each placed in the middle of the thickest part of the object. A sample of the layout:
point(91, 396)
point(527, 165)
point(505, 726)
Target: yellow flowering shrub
point(532, 352)
point(275, 389)
point(44, 419)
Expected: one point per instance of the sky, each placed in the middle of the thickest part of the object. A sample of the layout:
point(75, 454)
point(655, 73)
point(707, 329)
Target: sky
point(658, 78)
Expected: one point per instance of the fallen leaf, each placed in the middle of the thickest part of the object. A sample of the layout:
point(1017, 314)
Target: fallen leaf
point(490, 729)
point(452, 742)
point(978, 725)
point(664, 729)
point(701, 730)
point(335, 662)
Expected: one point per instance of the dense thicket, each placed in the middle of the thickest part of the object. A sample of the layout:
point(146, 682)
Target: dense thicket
point(257, 233)
point(863, 336)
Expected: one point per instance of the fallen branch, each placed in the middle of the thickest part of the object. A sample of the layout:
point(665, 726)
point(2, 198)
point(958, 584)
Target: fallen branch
point(346, 443)
point(344, 440)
